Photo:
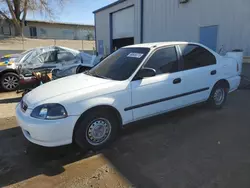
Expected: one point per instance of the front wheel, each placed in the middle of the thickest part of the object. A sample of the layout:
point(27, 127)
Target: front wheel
point(96, 130)
point(218, 96)
point(9, 81)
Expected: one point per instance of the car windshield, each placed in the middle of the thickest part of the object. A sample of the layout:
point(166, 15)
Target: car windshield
point(121, 64)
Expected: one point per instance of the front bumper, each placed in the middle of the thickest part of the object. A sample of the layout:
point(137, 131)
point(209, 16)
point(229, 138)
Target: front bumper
point(49, 133)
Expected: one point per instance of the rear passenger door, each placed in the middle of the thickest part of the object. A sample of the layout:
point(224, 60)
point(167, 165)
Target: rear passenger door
point(199, 72)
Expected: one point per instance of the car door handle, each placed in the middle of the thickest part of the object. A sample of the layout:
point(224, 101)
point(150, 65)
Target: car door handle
point(177, 81)
point(213, 72)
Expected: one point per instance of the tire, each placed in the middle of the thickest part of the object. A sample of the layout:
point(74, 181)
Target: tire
point(218, 96)
point(81, 69)
point(9, 81)
point(96, 129)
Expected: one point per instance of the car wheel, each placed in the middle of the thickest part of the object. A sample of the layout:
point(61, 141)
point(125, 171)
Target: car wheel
point(81, 69)
point(96, 129)
point(218, 96)
point(9, 81)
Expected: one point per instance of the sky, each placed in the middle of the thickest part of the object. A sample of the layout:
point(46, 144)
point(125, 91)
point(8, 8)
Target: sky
point(74, 11)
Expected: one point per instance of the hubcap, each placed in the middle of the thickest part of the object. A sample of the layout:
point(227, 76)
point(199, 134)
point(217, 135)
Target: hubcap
point(10, 82)
point(98, 131)
point(219, 96)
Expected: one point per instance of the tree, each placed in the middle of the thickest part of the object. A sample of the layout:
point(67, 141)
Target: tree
point(15, 11)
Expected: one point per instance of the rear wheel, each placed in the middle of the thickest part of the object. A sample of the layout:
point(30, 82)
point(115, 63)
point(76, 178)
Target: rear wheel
point(81, 69)
point(9, 81)
point(96, 129)
point(218, 96)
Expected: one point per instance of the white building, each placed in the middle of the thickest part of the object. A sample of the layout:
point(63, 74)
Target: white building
point(50, 30)
point(222, 25)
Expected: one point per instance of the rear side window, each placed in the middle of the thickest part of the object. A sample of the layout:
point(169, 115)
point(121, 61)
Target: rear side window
point(65, 56)
point(196, 56)
point(164, 61)
point(48, 57)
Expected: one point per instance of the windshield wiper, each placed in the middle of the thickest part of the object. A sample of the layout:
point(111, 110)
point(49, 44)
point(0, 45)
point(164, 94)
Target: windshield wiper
point(95, 75)
point(99, 76)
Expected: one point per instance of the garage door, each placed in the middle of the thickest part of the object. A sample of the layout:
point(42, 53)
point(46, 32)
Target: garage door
point(123, 23)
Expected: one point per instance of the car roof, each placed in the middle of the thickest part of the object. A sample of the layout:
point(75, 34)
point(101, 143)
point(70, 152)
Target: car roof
point(159, 44)
point(51, 48)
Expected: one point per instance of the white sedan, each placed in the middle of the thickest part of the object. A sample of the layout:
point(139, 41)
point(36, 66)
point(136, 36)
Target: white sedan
point(133, 83)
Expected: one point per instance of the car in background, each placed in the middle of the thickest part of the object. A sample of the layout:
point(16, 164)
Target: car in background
point(62, 61)
point(133, 83)
point(8, 76)
point(52, 58)
point(5, 60)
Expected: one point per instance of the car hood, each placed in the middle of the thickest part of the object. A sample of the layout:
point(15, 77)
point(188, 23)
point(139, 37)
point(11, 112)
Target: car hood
point(67, 85)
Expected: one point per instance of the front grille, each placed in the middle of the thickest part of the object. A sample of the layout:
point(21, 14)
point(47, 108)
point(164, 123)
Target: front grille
point(24, 106)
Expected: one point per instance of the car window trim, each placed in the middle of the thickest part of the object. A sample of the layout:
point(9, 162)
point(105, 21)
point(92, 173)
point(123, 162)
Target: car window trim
point(152, 53)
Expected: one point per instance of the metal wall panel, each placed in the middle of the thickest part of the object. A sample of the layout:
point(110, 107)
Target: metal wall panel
point(167, 20)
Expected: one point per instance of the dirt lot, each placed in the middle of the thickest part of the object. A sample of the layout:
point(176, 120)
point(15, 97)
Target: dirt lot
point(192, 147)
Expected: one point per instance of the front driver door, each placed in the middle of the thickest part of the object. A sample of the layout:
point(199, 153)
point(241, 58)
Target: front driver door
point(158, 94)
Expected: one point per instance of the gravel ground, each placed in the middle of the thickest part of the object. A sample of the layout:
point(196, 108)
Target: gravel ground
point(192, 147)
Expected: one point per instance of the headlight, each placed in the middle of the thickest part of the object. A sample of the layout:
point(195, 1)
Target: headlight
point(49, 111)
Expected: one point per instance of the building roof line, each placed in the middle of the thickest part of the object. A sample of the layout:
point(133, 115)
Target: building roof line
point(108, 6)
point(62, 23)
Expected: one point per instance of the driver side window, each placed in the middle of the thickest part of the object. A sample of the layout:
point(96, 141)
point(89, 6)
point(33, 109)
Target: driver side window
point(164, 61)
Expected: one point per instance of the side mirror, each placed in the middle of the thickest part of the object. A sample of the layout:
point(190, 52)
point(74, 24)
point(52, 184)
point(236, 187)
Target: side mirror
point(146, 72)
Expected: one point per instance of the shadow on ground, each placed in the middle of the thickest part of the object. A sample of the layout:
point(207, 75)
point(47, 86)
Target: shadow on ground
point(21, 160)
point(192, 147)
point(11, 100)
